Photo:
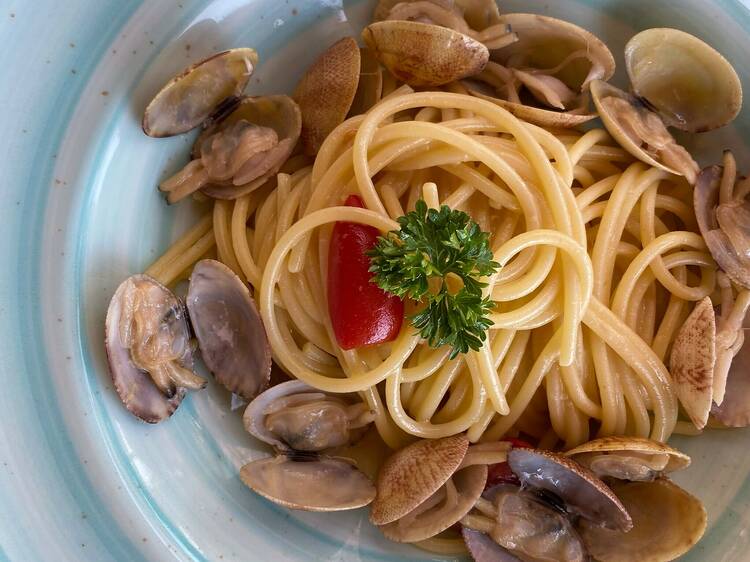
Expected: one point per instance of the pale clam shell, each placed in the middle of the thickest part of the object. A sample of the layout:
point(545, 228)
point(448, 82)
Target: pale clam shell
point(326, 92)
point(691, 363)
point(190, 98)
point(325, 484)
point(413, 474)
point(424, 55)
point(691, 85)
point(667, 522)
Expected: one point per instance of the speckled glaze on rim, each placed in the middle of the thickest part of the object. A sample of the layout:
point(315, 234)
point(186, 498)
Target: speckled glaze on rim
point(81, 479)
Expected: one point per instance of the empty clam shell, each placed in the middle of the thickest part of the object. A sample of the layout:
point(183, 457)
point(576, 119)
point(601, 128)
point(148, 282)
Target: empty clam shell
point(628, 458)
point(468, 482)
point(734, 262)
point(413, 474)
point(581, 490)
point(667, 522)
point(279, 113)
point(640, 131)
point(545, 43)
point(325, 484)
point(692, 360)
point(326, 91)
point(190, 98)
point(686, 81)
point(424, 55)
point(230, 332)
point(134, 385)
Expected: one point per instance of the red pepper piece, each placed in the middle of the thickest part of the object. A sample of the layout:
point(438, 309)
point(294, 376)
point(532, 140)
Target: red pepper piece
point(361, 312)
point(500, 473)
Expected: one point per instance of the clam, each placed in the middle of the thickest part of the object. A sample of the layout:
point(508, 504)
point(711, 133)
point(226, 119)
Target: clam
point(295, 416)
point(689, 84)
point(191, 97)
point(301, 424)
point(442, 509)
point(240, 151)
point(413, 474)
point(444, 13)
point(583, 493)
point(544, 77)
point(641, 132)
point(424, 55)
point(230, 332)
point(692, 360)
point(422, 489)
point(523, 525)
point(148, 348)
point(628, 458)
point(478, 14)
point(724, 225)
point(326, 91)
point(319, 484)
point(667, 522)
point(556, 48)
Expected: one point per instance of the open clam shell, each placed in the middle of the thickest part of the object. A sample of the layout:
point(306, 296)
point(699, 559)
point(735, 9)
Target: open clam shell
point(295, 416)
point(690, 85)
point(691, 363)
point(478, 14)
point(277, 112)
point(424, 55)
point(190, 98)
point(580, 489)
point(628, 458)
point(641, 132)
point(326, 91)
point(413, 474)
point(735, 263)
point(323, 484)
point(230, 332)
point(667, 522)
point(135, 386)
point(546, 43)
point(468, 482)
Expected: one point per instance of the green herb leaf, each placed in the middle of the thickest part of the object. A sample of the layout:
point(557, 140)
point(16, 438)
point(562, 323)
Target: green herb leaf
point(433, 244)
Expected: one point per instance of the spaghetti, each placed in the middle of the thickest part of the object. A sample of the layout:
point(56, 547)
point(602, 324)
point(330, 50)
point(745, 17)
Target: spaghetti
point(601, 264)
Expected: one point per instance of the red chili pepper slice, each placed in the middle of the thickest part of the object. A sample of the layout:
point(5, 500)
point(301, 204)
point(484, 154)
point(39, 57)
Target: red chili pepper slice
point(500, 473)
point(361, 312)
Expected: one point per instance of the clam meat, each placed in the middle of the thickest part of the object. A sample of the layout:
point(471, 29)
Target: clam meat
point(148, 348)
point(240, 151)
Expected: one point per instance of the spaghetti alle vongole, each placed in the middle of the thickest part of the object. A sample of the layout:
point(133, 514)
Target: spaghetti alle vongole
point(492, 319)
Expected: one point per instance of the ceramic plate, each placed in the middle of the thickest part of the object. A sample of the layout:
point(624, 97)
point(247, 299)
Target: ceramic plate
point(80, 478)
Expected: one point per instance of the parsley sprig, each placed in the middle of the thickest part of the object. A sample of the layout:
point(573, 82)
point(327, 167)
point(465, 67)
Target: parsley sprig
point(431, 244)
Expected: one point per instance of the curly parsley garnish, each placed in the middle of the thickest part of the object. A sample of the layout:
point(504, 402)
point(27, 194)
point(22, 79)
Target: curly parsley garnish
point(416, 261)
